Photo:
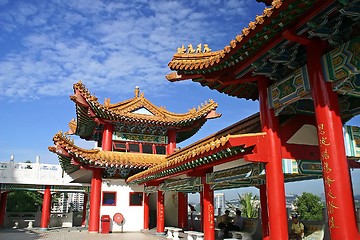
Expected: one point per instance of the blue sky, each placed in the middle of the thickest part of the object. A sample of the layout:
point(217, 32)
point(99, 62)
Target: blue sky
point(112, 46)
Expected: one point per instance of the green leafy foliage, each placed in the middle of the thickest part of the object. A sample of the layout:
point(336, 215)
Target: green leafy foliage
point(23, 201)
point(309, 207)
point(248, 203)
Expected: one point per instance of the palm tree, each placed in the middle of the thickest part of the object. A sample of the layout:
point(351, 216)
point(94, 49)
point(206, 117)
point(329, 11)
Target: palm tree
point(248, 204)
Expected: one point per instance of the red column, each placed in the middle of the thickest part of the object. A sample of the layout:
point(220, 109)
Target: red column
point(338, 191)
point(107, 137)
point(264, 213)
point(3, 198)
point(160, 226)
point(182, 210)
point(83, 220)
point(171, 142)
point(274, 175)
point(208, 212)
point(146, 211)
point(95, 201)
point(202, 210)
point(46, 208)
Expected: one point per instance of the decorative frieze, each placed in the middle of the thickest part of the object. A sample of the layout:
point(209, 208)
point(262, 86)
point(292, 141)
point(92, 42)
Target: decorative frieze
point(289, 90)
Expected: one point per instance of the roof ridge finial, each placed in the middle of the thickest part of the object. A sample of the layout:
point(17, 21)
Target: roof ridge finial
point(137, 91)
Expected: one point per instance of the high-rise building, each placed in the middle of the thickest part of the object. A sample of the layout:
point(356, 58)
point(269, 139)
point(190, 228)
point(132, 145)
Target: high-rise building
point(68, 202)
point(219, 203)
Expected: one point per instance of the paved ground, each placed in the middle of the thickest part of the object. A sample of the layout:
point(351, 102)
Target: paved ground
point(72, 234)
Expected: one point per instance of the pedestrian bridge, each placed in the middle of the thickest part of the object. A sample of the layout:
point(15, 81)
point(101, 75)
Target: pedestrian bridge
point(34, 176)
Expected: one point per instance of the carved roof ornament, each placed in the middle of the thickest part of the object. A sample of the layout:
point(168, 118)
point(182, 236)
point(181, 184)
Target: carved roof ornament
point(181, 49)
point(107, 102)
point(276, 3)
point(190, 49)
point(198, 60)
point(137, 91)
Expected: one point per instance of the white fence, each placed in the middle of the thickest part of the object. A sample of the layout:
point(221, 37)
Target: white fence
point(33, 173)
point(22, 219)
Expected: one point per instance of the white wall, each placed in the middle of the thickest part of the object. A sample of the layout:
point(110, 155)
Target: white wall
point(171, 209)
point(133, 215)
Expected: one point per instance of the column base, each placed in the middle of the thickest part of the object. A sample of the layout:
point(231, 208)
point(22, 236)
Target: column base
point(93, 231)
point(160, 233)
point(43, 229)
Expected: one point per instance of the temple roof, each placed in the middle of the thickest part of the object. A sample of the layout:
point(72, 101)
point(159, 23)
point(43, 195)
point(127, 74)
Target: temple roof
point(146, 166)
point(273, 46)
point(71, 155)
point(138, 113)
point(202, 61)
point(222, 144)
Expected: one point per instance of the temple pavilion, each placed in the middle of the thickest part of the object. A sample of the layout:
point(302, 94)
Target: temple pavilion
point(131, 136)
point(300, 60)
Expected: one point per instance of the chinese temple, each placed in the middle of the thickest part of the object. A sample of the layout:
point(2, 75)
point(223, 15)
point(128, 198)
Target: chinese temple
point(131, 136)
point(300, 60)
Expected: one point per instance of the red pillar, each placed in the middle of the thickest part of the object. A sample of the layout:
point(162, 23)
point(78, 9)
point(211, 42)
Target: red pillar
point(171, 142)
point(46, 208)
point(338, 191)
point(278, 228)
point(95, 201)
point(160, 226)
point(146, 211)
point(264, 212)
point(83, 220)
point(182, 210)
point(202, 210)
point(3, 198)
point(107, 137)
point(208, 212)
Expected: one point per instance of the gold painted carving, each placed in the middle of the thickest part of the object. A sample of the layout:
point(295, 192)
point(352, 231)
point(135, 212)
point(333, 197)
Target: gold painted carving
point(321, 129)
point(190, 49)
point(330, 194)
point(136, 91)
point(259, 19)
point(326, 167)
point(276, 3)
point(324, 155)
point(331, 207)
point(323, 141)
point(181, 49)
point(206, 48)
point(332, 223)
point(107, 102)
point(329, 181)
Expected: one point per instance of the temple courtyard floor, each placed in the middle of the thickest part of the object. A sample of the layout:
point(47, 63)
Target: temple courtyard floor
point(73, 234)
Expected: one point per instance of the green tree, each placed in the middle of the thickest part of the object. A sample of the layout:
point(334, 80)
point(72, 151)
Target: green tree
point(23, 201)
point(309, 207)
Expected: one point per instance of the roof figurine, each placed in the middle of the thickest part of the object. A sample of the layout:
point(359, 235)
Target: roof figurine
point(190, 49)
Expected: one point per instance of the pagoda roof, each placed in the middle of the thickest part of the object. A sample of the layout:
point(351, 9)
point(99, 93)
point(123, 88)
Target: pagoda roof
point(137, 111)
point(146, 166)
point(222, 144)
point(273, 46)
point(72, 156)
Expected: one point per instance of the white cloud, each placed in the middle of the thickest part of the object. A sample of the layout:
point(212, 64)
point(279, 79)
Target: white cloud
point(110, 46)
